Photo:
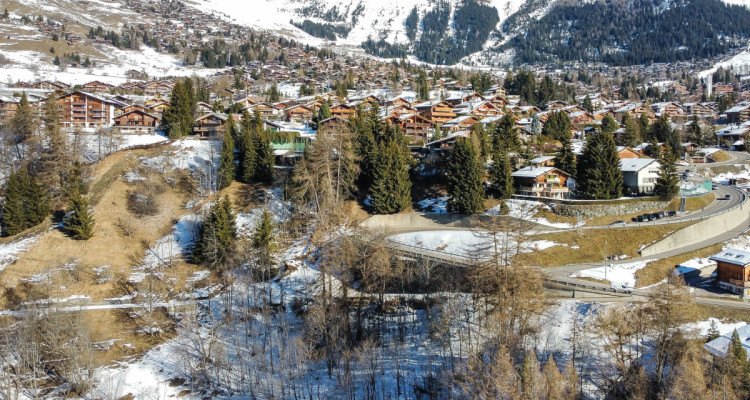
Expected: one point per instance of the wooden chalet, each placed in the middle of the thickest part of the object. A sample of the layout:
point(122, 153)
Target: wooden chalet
point(581, 118)
point(50, 85)
point(203, 108)
point(266, 110)
point(459, 123)
point(733, 271)
point(85, 110)
point(464, 98)
point(298, 113)
point(738, 114)
point(556, 105)
point(541, 182)
point(412, 125)
point(96, 86)
point(436, 111)
point(343, 111)
point(159, 108)
point(333, 124)
point(209, 125)
point(627, 152)
point(137, 120)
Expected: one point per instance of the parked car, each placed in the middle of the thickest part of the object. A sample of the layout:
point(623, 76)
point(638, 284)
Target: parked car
point(662, 214)
point(671, 213)
point(655, 215)
point(727, 196)
point(621, 287)
point(714, 186)
point(617, 224)
point(644, 218)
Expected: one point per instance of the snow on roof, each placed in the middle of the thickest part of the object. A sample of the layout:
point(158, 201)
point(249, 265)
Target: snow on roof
point(635, 164)
point(720, 345)
point(542, 159)
point(531, 172)
point(737, 109)
point(732, 256)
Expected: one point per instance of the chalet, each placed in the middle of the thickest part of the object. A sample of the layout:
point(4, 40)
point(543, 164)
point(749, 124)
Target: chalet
point(464, 98)
point(581, 118)
point(738, 114)
point(671, 109)
point(499, 101)
point(203, 108)
point(436, 111)
point(627, 152)
point(247, 101)
point(266, 110)
point(298, 113)
point(343, 111)
point(556, 105)
point(49, 85)
point(96, 86)
point(544, 161)
point(333, 124)
point(397, 101)
point(85, 110)
point(412, 125)
point(541, 182)
point(733, 271)
point(479, 109)
point(209, 125)
point(459, 123)
point(137, 120)
point(445, 144)
point(703, 110)
point(719, 347)
point(158, 107)
point(639, 175)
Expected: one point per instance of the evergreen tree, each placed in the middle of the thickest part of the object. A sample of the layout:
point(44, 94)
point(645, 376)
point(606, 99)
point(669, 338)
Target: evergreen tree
point(227, 167)
point(55, 160)
point(653, 150)
point(74, 181)
point(713, 331)
point(216, 237)
point(25, 205)
point(423, 88)
point(738, 355)
point(587, 105)
point(390, 191)
point(264, 158)
point(566, 159)
point(79, 222)
point(246, 152)
point(696, 133)
point(500, 174)
point(177, 120)
point(630, 137)
point(23, 123)
point(273, 95)
point(599, 175)
point(644, 126)
point(505, 135)
point(536, 127)
point(464, 176)
point(667, 185)
point(264, 246)
point(609, 125)
point(558, 126)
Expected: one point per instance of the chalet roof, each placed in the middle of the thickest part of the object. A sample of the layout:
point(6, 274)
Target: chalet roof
point(736, 109)
point(451, 137)
point(532, 172)
point(635, 164)
point(138, 111)
point(720, 345)
point(542, 159)
point(217, 115)
point(732, 256)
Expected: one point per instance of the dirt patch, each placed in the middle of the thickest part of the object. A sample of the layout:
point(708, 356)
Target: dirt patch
point(656, 271)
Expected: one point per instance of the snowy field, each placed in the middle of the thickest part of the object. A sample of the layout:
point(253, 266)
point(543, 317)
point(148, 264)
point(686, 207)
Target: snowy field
point(9, 252)
point(618, 273)
point(468, 244)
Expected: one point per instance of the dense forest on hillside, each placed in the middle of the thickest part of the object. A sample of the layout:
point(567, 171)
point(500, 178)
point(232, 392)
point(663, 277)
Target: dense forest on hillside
point(323, 31)
point(636, 32)
point(472, 24)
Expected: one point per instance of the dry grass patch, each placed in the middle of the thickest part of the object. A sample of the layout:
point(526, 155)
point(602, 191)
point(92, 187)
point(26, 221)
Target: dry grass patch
point(588, 245)
point(656, 271)
point(719, 156)
point(692, 203)
point(725, 314)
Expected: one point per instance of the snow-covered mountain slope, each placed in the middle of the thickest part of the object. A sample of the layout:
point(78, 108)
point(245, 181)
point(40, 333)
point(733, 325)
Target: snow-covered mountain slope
point(376, 19)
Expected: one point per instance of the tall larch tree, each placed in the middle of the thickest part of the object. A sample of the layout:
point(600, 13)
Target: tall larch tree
point(265, 158)
point(464, 176)
point(505, 135)
point(216, 237)
point(566, 159)
point(630, 136)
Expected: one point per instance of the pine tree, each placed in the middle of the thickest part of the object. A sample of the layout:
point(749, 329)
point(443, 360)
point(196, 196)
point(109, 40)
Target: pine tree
point(177, 120)
point(667, 185)
point(264, 246)
point(609, 125)
point(505, 135)
point(227, 167)
point(566, 159)
point(500, 175)
point(55, 160)
point(390, 191)
point(25, 205)
point(23, 123)
point(216, 237)
point(630, 137)
point(696, 133)
point(264, 158)
point(558, 126)
point(79, 222)
point(588, 105)
point(536, 127)
point(713, 331)
point(273, 95)
point(599, 175)
point(246, 153)
point(464, 175)
point(737, 353)
point(644, 126)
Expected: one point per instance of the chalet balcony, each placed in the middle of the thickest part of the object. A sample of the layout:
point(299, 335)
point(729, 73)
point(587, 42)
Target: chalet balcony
point(553, 180)
point(739, 283)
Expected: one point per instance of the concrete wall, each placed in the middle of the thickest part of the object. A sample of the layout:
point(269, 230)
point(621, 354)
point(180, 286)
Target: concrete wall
point(598, 210)
point(696, 233)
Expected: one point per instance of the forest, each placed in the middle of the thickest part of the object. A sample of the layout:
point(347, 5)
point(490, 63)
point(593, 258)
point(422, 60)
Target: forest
point(638, 32)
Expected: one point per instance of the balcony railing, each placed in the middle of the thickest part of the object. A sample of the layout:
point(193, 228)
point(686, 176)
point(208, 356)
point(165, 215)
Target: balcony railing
point(740, 283)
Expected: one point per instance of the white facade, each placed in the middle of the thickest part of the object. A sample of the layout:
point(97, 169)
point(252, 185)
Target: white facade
point(640, 174)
